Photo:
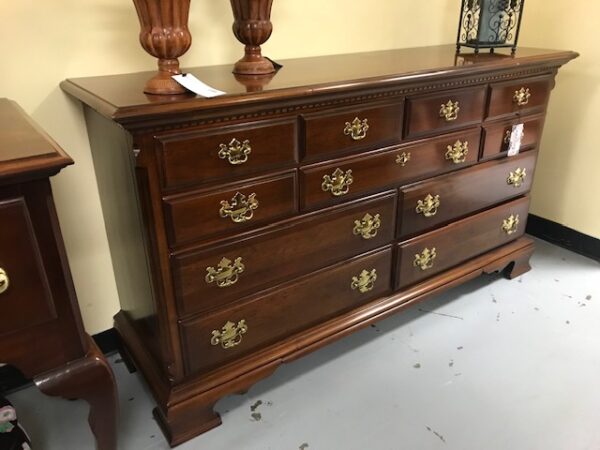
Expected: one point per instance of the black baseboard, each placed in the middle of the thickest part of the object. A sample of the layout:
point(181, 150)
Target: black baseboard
point(562, 236)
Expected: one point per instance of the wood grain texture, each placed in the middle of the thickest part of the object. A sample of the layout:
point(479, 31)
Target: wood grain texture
point(502, 101)
point(497, 135)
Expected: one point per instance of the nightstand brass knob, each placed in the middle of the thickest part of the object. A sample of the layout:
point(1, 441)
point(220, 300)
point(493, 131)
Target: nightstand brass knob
point(368, 226)
point(428, 206)
point(240, 209)
point(364, 282)
point(516, 178)
point(510, 225)
point(522, 96)
point(357, 130)
point(4, 281)
point(403, 158)
point(230, 335)
point(424, 260)
point(226, 274)
point(235, 152)
point(457, 153)
point(337, 183)
point(449, 111)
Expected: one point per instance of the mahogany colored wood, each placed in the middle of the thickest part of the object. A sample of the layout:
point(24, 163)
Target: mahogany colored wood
point(165, 35)
point(502, 100)
point(252, 27)
point(459, 241)
point(41, 332)
point(169, 312)
point(463, 192)
point(423, 111)
point(272, 256)
point(196, 215)
point(497, 135)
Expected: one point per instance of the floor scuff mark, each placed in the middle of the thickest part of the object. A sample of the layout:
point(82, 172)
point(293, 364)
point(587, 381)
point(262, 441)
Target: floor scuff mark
point(441, 314)
point(451, 363)
point(257, 416)
point(437, 434)
point(303, 446)
point(417, 366)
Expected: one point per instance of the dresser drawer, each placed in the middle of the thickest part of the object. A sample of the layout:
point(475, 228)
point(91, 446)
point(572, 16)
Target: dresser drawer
point(230, 209)
point(442, 249)
point(227, 152)
point(444, 110)
point(513, 97)
point(212, 277)
point(445, 198)
point(497, 135)
point(25, 293)
point(281, 313)
point(352, 129)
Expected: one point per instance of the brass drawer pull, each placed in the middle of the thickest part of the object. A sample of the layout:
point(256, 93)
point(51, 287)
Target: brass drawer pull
point(522, 96)
point(357, 130)
point(230, 335)
point(403, 158)
point(510, 225)
point(365, 282)
point(428, 206)
point(240, 209)
point(367, 226)
point(516, 178)
point(338, 183)
point(424, 260)
point(226, 274)
point(235, 152)
point(4, 281)
point(449, 111)
point(457, 153)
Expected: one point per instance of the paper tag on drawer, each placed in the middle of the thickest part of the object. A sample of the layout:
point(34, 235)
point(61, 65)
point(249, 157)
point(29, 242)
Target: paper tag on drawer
point(516, 136)
point(191, 83)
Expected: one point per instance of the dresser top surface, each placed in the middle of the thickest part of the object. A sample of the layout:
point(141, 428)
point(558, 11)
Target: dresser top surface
point(24, 147)
point(121, 97)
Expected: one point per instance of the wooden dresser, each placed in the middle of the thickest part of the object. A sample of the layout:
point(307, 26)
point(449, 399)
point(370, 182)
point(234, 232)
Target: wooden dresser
point(250, 229)
point(41, 332)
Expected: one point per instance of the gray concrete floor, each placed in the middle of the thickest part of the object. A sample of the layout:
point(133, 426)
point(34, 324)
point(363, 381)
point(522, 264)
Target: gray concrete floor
point(491, 365)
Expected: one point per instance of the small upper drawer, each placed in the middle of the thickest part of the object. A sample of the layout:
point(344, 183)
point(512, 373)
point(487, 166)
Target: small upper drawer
point(497, 135)
point(513, 97)
point(227, 152)
point(444, 110)
point(353, 129)
point(231, 208)
point(426, 205)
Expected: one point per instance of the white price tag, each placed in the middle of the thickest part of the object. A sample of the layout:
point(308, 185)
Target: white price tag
point(516, 136)
point(191, 83)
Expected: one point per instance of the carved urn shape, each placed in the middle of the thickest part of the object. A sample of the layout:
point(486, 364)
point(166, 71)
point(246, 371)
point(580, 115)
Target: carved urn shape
point(165, 35)
point(252, 27)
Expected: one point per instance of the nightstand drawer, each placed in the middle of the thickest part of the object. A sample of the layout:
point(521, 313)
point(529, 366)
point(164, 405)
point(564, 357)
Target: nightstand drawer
point(233, 333)
point(426, 205)
point(213, 277)
point(442, 249)
point(497, 135)
point(233, 208)
point(514, 97)
point(437, 112)
point(353, 129)
point(227, 152)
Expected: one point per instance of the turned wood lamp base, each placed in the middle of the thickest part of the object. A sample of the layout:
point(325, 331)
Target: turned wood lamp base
point(253, 63)
point(163, 83)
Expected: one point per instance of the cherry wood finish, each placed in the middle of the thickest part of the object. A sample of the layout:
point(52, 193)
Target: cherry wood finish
point(300, 263)
point(40, 328)
point(497, 135)
point(502, 100)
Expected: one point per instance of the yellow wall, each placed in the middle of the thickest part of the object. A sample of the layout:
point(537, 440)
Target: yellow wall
point(47, 41)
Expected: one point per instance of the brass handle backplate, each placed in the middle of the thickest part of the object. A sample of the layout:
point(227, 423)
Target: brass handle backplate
point(337, 183)
point(368, 226)
point(510, 225)
point(240, 208)
point(403, 158)
point(4, 281)
point(449, 111)
point(424, 260)
point(522, 96)
point(364, 282)
point(226, 274)
point(457, 153)
point(230, 335)
point(517, 177)
point(428, 206)
point(235, 152)
point(357, 129)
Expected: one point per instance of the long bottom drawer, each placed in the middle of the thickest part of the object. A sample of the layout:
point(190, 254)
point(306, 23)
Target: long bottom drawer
point(443, 248)
point(227, 335)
